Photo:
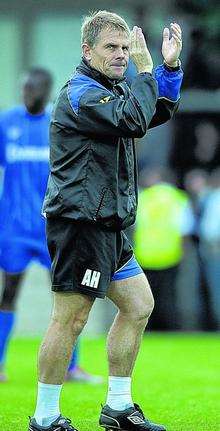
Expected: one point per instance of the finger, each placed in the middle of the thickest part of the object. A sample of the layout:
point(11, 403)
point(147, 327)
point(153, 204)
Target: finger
point(135, 35)
point(176, 32)
point(133, 39)
point(176, 28)
point(141, 41)
point(139, 36)
point(166, 33)
point(179, 41)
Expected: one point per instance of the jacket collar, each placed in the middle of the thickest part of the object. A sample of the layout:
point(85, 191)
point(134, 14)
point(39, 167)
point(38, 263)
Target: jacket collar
point(85, 68)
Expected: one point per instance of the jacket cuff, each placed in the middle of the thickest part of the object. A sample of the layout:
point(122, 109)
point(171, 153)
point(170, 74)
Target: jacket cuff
point(169, 83)
point(170, 68)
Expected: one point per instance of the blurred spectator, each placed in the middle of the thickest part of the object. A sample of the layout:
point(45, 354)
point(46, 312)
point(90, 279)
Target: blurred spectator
point(210, 243)
point(197, 184)
point(164, 221)
point(206, 149)
point(202, 65)
point(198, 72)
point(196, 145)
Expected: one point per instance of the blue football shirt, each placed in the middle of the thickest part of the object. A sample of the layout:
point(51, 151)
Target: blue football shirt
point(24, 155)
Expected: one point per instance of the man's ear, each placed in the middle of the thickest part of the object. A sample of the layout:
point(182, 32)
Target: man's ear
point(86, 49)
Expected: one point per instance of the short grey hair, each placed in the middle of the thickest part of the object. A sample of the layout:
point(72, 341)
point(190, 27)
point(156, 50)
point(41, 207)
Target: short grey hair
point(94, 23)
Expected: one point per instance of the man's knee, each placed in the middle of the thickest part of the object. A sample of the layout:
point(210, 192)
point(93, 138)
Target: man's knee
point(71, 323)
point(149, 304)
point(72, 314)
point(137, 301)
point(79, 320)
point(143, 308)
point(141, 301)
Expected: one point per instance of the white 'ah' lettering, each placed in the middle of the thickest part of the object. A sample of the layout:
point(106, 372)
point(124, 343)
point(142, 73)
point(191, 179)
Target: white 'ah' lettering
point(91, 278)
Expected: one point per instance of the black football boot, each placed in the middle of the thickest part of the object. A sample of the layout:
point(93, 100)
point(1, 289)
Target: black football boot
point(131, 419)
point(60, 424)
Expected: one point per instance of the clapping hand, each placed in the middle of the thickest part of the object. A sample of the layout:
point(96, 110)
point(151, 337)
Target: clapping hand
point(172, 46)
point(139, 52)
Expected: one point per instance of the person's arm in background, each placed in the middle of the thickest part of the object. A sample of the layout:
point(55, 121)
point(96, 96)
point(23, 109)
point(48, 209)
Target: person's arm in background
point(187, 226)
point(210, 220)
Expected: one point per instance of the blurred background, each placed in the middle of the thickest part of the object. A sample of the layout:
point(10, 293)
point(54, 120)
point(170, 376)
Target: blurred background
point(183, 155)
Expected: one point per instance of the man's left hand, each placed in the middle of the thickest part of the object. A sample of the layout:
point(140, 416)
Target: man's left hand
point(171, 47)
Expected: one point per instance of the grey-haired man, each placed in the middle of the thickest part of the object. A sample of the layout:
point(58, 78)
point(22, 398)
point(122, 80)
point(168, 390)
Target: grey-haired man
point(91, 198)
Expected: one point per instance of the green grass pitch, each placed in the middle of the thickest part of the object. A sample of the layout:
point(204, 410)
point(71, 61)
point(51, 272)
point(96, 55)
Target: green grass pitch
point(176, 382)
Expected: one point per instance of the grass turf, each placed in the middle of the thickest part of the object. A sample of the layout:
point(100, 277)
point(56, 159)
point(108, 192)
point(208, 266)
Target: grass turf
point(176, 382)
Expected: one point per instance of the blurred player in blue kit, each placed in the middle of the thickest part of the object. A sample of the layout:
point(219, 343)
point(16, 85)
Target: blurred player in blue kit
point(24, 160)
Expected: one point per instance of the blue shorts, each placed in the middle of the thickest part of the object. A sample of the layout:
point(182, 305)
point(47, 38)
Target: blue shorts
point(129, 269)
point(16, 255)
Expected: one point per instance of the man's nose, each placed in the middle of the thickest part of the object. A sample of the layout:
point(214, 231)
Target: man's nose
point(120, 53)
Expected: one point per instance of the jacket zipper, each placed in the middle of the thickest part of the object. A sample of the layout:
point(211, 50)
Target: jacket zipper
point(100, 203)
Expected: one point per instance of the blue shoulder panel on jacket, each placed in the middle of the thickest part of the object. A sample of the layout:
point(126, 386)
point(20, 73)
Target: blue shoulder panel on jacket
point(169, 83)
point(77, 86)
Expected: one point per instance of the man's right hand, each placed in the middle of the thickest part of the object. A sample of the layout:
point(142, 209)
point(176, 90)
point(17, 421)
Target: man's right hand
point(139, 52)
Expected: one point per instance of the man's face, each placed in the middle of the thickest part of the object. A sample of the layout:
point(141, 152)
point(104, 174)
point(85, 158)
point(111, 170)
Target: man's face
point(110, 54)
point(35, 93)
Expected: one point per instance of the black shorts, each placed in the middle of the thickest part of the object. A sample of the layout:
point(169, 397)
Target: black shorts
point(85, 256)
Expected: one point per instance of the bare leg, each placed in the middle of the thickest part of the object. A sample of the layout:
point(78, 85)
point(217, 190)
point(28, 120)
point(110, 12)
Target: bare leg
point(134, 299)
point(70, 314)
point(135, 302)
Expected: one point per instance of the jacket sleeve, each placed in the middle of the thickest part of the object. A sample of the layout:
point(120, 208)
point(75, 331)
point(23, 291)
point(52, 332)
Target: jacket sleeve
point(99, 112)
point(169, 84)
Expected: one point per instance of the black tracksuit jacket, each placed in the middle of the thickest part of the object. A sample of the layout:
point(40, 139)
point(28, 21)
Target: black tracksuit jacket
point(92, 153)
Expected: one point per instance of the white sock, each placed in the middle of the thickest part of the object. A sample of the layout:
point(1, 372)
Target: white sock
point(47, 409)
point(119, 393)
